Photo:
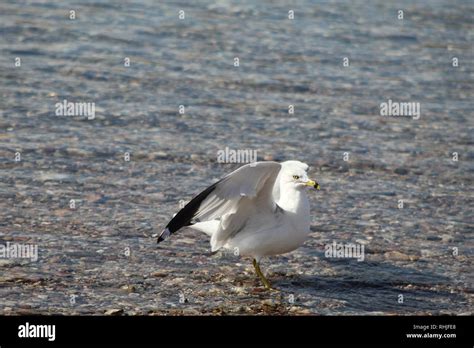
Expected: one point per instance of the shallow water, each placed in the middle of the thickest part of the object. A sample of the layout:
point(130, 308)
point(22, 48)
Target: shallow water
point(103, 256)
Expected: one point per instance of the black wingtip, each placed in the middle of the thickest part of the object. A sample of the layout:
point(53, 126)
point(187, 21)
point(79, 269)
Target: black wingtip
point(185, 215)
point(163, 235)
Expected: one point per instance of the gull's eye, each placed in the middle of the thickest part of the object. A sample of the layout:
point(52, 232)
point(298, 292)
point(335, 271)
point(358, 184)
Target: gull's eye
point(296, 177)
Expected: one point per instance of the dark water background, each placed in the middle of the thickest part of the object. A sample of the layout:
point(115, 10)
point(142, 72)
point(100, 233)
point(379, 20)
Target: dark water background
point(121, 205)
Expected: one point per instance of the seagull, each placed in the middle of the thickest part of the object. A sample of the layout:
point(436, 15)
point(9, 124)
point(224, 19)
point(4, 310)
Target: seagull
point(259, 210)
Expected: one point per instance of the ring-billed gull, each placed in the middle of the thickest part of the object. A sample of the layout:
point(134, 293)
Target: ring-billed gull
point(260, 209)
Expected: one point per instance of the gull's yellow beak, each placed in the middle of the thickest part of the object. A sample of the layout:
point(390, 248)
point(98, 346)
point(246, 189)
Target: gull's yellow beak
point(313, 183)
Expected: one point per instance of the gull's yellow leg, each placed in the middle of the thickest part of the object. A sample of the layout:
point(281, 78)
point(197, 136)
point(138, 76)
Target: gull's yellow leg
point(260, 274)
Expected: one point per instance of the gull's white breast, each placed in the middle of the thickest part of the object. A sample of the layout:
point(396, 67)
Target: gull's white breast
point(271, 234)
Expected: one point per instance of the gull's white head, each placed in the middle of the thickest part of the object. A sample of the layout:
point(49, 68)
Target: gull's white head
point(295, 173)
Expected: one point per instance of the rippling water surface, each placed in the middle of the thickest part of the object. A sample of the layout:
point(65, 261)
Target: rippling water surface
point(104, 250)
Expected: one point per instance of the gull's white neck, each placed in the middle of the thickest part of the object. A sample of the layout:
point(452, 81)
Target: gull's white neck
point(293, 200)
point(295, 204)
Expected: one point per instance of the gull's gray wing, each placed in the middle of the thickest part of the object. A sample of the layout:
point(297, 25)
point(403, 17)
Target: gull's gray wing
point(230, 201)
